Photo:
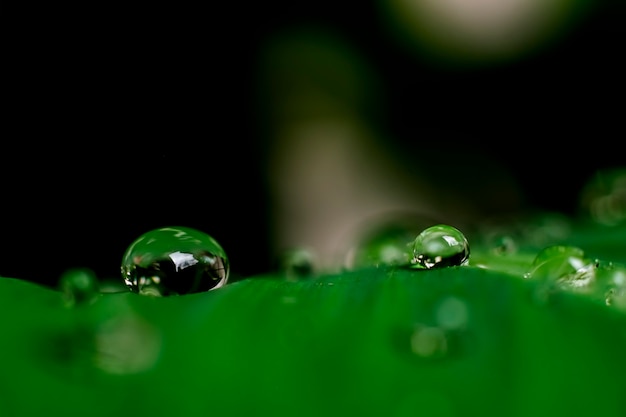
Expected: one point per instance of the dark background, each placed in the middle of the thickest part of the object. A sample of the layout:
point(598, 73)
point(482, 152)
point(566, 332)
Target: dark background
point(123, 117)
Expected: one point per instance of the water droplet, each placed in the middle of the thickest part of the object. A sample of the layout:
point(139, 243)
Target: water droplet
point(79, 286)
point(564, 266)
point(440, 246)
point(557, 251)
point(297, 264)
point(503, 245)
point(174, 261)
point(382, 239)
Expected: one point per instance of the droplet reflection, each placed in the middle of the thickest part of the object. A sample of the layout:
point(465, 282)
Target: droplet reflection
point(440, 246)
point(174, 261)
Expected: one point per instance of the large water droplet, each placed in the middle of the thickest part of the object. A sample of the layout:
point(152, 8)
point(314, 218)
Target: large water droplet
point(174, 261)
point(79, 286)
point(440, 246)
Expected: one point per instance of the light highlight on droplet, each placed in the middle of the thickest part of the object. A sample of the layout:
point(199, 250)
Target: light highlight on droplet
point(174, 261)
point(440, 246)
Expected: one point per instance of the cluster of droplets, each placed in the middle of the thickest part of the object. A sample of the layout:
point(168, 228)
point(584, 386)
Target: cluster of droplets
point(566, 268)
point(166, 261)
point(399, 244)
point(180, 260)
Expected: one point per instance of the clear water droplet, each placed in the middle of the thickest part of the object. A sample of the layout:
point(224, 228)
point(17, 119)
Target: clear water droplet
point(557, 251)
point(174, 261)
point(79, 286)
point(440, 246)
point(564, 266)
point(382, 239)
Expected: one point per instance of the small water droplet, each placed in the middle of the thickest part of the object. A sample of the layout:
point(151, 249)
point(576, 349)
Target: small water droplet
point(298, 264)
point(79, 286)
point(503, 245)
point(382, 239)
point(440, 246)
point(174, 261)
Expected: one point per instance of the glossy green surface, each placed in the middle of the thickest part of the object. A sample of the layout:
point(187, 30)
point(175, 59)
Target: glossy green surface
point(475, 340)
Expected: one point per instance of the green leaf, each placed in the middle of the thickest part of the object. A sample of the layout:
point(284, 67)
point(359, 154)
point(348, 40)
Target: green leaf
point(477, 340)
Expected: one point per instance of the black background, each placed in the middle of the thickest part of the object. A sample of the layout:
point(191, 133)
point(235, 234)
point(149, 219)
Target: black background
point(123, 117)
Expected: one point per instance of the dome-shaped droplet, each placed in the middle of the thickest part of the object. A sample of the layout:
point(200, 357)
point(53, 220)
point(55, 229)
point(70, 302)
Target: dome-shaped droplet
point(558, 251)
point(440, 246)
point(383, 239)
point(174, 261)
point(297, 264)
point(79, 286)
point(565, 266)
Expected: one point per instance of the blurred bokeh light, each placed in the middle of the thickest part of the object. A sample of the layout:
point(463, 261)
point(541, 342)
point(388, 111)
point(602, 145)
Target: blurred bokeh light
point(289, 124)
point(481, 32)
